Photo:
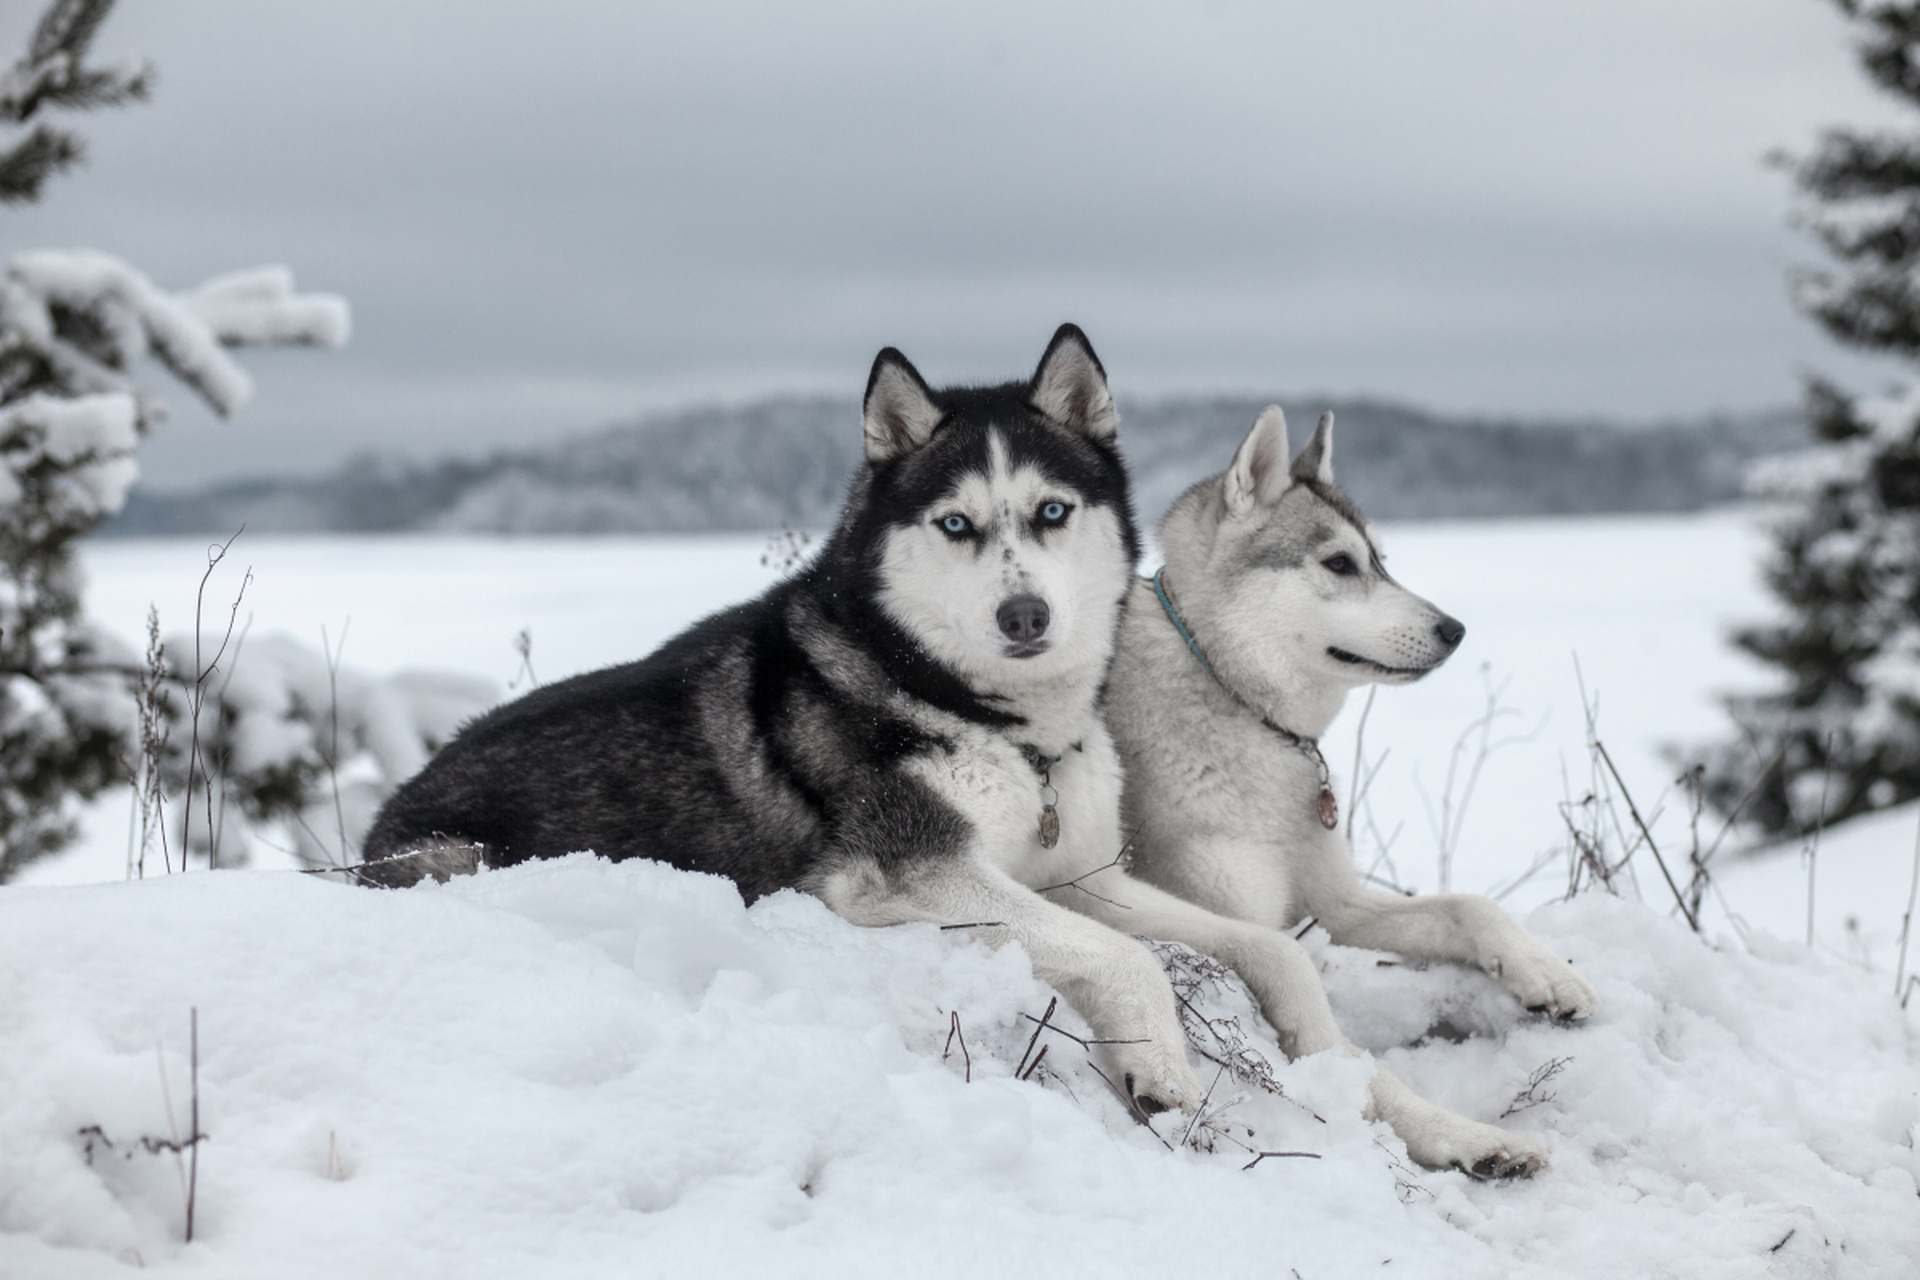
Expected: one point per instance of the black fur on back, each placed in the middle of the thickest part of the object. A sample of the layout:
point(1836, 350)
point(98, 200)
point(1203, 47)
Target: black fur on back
point(732, 749)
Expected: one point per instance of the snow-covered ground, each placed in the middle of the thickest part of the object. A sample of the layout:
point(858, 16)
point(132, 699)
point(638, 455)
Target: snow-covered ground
point(582, 1069)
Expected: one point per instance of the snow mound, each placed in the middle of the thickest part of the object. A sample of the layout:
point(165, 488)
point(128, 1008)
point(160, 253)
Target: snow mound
point(580, 1068)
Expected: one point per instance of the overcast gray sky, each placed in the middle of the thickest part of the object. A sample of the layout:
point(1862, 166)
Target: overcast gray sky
point(551, 216)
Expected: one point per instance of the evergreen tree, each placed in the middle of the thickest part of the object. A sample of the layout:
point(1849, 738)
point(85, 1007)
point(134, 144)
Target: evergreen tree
point(1843, 734)
point(73, 325)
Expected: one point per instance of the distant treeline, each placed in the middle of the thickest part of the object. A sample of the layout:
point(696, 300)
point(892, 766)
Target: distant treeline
point(786, 461)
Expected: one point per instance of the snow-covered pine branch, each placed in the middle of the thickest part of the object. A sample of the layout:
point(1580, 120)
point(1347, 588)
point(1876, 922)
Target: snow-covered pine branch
point(53, 74)
point(75, 322)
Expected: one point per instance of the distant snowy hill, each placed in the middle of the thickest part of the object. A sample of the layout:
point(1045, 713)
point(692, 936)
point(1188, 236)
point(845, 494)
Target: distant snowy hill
point(786, 461)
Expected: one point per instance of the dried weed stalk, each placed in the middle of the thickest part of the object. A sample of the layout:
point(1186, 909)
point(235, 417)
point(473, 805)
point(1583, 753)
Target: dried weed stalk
point(1451, 820)
point(155, 726)
point(185, 1151)
point(1531, 1096)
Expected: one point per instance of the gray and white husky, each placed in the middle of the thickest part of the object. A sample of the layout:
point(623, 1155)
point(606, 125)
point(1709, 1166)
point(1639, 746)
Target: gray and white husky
point(909, 727)
point(1273, 604)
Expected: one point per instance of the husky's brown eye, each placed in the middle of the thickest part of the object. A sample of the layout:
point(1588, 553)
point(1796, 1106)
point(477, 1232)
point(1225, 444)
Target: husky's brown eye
point(1342, 565)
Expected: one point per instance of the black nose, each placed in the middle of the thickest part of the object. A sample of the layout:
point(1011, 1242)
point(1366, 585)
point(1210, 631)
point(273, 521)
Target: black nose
point(1449, 630)
point(1023, 619)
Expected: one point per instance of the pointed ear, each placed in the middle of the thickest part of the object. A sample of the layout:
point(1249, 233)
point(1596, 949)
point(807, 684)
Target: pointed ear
point(1258, 475)
point(1070, 387)
point(1316, 460)
point(899, 414)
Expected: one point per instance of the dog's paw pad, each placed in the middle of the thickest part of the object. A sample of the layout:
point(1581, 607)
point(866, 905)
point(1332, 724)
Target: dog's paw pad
point(1500, 1165)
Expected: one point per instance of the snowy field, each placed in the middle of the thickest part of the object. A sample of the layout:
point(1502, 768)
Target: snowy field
point(580, 1069)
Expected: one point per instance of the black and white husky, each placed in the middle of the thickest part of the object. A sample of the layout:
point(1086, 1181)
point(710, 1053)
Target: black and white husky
point(909, 727)
point(1272, 604)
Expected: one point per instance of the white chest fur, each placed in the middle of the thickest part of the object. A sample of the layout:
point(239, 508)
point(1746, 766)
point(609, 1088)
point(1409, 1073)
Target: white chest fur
point(995, 786)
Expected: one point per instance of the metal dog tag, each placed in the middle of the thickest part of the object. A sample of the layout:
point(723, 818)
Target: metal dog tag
point(1049, 827)
point(1329, 809)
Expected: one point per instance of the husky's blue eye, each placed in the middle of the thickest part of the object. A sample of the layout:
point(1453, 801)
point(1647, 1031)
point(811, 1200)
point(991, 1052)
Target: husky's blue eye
point(1053, 512)
point(956, 525)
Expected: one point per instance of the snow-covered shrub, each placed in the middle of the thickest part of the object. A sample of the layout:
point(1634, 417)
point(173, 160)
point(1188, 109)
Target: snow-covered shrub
point(282, 736)
point(1841, 734)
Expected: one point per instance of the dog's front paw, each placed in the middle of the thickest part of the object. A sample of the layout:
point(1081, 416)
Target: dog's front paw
point(1155, 1080)
point(1521, 1159)
point(1544, 983)
point(1478, 1150)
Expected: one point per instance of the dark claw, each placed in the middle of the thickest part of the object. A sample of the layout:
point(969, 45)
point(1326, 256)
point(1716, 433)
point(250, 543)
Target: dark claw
point(1145, 1105)
point(1564, 1016)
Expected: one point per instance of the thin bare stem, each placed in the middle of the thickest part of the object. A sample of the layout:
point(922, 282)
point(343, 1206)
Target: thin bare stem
point(522, 645)
point(1127, 1100)
point(1819, 824)
point(1531, 1096)
point(149, 786)
point(1906, 921)
point(220, 820)
point(954, 1033)
point(1279, 1155)
point(1035, 1039)
point(1452, 820)
point(333, 749)
point(196, 699)
point(193, 1158)
point(1360, 777)
point(1044, 1025)
point(1693, 921)
point(1075, 883)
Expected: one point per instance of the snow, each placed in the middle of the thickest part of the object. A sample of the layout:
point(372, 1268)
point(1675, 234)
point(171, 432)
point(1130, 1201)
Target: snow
point(258, 307)
point(584, 1069)
point(90, 438)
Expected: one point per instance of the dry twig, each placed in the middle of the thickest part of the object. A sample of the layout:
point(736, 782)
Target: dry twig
point(1531, 1096)
point(1906, 923)
point(196, 698)
point(954, 1033)
point(1279, 1155)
